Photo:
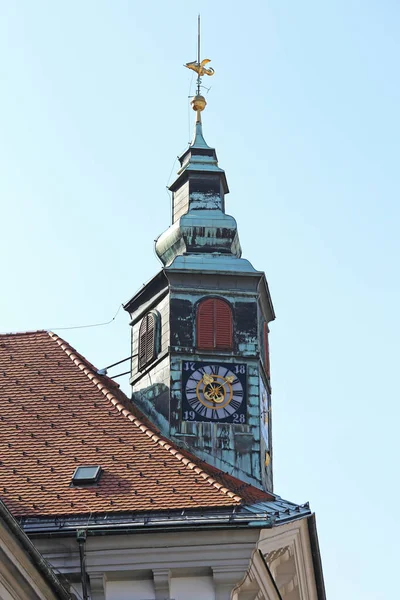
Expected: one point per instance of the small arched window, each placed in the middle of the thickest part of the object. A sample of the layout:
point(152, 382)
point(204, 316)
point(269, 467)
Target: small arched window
point(266, 350)
point(214, 325)
point(147, 350)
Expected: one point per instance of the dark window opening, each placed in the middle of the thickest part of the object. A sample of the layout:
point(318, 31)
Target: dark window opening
point(214, 325)
point(147, 351)
point(266, 350)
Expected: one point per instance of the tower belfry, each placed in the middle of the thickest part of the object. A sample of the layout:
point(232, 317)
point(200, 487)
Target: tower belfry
point(200, 366)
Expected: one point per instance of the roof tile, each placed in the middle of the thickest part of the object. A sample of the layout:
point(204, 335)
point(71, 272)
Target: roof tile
point(57, 413)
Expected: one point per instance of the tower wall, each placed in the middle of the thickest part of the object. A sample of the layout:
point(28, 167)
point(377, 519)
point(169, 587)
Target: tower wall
point(237, 448)
point(158, 389)
point(180, 202)
point(150, 386)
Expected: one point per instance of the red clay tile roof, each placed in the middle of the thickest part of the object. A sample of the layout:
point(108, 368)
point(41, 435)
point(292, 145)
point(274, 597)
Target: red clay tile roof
point(57, 413)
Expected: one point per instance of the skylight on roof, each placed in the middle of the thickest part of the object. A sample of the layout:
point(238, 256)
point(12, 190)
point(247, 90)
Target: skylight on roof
point(86, 474)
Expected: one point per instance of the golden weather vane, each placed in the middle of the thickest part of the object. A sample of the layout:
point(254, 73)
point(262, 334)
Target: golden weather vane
point(199, 102)
point(200, 68)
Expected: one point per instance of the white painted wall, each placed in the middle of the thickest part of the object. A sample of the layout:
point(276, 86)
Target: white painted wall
point(130, 590)
point(195, 588)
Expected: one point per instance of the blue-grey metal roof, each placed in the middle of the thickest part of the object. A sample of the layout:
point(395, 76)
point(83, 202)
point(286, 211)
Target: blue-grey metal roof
point(263, 514)
point(198, 140)
point(278, 510)
point(209, 263)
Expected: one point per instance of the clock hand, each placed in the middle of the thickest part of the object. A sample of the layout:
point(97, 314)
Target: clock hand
point(214, 394)
point(218, 400)
point(218, 395)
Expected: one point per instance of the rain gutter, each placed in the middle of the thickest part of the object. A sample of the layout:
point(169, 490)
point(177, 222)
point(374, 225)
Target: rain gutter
point(101, 530)
point(249, 516)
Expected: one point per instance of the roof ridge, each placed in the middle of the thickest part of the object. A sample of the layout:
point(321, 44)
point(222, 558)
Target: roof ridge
point(29, 332)
point(80, 361)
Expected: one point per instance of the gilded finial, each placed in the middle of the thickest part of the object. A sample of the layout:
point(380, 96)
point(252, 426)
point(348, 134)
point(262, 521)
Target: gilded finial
point(198, 102)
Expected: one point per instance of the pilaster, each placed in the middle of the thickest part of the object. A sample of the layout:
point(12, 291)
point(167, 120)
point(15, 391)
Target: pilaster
point(97, 586)
point(225, 578)
point(161, 579)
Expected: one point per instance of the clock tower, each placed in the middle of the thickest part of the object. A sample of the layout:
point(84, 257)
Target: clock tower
point(200, 358)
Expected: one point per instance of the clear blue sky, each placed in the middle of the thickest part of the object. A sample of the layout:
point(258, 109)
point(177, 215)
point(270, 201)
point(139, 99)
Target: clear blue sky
point(304, 113)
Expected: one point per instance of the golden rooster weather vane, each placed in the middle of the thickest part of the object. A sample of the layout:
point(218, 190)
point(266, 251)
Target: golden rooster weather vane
point(199, 102)
point(200, 68)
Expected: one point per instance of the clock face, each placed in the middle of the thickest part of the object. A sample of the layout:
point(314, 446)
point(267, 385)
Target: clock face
point(214, 392)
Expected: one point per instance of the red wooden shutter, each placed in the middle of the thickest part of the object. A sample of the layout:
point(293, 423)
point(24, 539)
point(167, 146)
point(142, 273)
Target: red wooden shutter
point(266, 350)
point(146, 340)
point(214, 325)
point(223, 325)
point(205, 324)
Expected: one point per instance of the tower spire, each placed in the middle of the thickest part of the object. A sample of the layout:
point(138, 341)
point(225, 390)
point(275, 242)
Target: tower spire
point(200, 225)
point(198, 102)
point(198, 53)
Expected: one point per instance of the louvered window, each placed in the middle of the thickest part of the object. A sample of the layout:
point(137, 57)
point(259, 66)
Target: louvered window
point(214, 325)
point(266, 350)
point(147, 341)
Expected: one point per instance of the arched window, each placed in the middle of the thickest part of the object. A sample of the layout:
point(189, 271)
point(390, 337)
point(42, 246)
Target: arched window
point(147, 350)
point(266, 350)
point(214, 325)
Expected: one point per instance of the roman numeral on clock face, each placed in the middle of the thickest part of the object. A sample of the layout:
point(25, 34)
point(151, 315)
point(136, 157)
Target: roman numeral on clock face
point(226, 412)
point(195, 404)
point(202, 410)
point(191, 390)
point(196, 376)
point(235, 404)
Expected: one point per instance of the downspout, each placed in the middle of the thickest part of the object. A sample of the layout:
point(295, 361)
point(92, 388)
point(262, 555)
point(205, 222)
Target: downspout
point(81, 539)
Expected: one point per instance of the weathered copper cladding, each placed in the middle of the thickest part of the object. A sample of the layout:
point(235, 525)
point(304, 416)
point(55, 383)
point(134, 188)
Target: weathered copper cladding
point(201, 255)
point(199, 222)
